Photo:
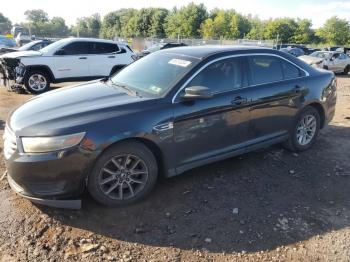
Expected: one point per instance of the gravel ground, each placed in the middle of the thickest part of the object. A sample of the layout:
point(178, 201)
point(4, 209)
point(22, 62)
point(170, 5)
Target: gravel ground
point(268, 205)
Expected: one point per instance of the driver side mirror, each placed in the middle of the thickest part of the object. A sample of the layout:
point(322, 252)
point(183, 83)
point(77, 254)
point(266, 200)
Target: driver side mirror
point(197, 92)
point(60, 52)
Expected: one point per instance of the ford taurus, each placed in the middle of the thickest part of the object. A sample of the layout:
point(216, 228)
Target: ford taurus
point(171, 111)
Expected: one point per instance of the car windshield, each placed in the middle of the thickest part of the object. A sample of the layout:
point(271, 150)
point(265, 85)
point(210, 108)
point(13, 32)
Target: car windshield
point(155, 74)
point(27, 46)
point(54, 46)
point(320, 54)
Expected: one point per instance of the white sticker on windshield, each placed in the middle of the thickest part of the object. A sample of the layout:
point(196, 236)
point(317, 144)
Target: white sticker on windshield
point(179, 62)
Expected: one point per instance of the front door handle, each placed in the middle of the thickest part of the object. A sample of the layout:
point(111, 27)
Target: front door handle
point(238, 100)
point(111, 56)
point(83, 57)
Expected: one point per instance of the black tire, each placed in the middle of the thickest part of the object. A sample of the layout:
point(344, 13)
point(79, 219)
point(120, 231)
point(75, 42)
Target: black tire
point(292, 143)
point(130, 148)
point(346, 70)
point(42, 75)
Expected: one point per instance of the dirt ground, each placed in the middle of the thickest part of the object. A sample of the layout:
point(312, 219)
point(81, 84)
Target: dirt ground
point(268, 205)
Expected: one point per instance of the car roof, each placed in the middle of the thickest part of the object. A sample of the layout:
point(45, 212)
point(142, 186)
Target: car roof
point(83, 39)
point(202, 52)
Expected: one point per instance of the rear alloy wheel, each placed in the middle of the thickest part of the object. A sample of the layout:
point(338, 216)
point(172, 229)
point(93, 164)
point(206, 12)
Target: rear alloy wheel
point(124, 174)
point(305, 131)
point(37, 82)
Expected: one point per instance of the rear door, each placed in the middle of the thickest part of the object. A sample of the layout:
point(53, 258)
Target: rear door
point(103, 57)
point(72, 61)
point(276, 89)
point(209, 128)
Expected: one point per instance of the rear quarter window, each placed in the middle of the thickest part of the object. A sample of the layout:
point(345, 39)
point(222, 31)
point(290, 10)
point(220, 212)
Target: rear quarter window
point(268, 69)
point(265, 69)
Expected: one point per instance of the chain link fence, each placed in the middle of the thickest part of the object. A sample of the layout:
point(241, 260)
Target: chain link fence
point(144, 43)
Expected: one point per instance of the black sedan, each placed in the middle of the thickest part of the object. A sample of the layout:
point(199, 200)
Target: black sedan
point(162, 115)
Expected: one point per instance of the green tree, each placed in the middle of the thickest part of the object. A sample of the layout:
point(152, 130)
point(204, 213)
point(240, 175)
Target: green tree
point(118, 23)
point(257, 30)
point(225, 24)
point(5, 24)
point(157, 22)
point(303, 33)
point(57, 27)
point(87, 26)
point(284, 28)
point(36, 16)
point(186, 21)
point(335, 31)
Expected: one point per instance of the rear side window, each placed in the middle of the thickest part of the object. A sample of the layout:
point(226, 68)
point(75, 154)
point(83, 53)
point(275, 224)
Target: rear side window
point(267, 69)
point(290, 71)
point(221, 76)
point(103, 48)
point(76, 48)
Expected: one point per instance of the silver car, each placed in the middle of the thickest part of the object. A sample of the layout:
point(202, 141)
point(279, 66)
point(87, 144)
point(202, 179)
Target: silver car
point(335, 61)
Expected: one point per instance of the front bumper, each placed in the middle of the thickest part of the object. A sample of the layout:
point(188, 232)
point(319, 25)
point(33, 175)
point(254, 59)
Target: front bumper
point(68, 204)
point(52, 179)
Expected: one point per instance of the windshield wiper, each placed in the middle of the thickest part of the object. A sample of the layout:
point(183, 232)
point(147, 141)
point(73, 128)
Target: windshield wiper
point(128, 89)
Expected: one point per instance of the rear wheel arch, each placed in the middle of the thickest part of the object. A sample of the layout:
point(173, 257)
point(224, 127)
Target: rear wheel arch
point(320, 111)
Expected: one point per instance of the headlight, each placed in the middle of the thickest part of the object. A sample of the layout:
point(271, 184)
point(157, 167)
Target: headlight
point(48, 144)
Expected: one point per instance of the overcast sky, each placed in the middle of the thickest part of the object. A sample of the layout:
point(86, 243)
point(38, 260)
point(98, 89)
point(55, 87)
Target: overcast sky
point(316, 10)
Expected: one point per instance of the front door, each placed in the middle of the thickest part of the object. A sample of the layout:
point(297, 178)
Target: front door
point(72, 61)
point(209, 128)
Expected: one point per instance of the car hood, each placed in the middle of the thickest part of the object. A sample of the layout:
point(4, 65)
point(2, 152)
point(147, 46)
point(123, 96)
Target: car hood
point(310, 59)
point(64, 109)
point(21, 54)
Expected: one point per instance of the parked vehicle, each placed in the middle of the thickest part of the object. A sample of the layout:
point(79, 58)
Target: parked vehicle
point(7, 42)
point(70, 59)
point(158, 47)
point(160, 116)
point(293, 51)
point(23, 38)
point(338, 62)
point(31, 46)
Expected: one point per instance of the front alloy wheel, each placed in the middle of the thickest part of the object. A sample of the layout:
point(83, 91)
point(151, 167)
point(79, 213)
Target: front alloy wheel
point(123, 177)
point(124, 174)
point(36, 82)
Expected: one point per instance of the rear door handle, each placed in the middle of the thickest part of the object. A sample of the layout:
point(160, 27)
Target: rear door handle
point(238, 100)
point(111, 56)
point(83, 57)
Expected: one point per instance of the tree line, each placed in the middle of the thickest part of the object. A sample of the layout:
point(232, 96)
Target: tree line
point(190, 21)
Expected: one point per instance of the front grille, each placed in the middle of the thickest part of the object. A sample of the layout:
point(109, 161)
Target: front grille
point(10, 143)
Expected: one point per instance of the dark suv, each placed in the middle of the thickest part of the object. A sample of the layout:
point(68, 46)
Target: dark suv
point(169, 112)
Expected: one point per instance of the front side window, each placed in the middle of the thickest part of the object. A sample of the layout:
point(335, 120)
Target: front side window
point(221, 76)
point(76, 48)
